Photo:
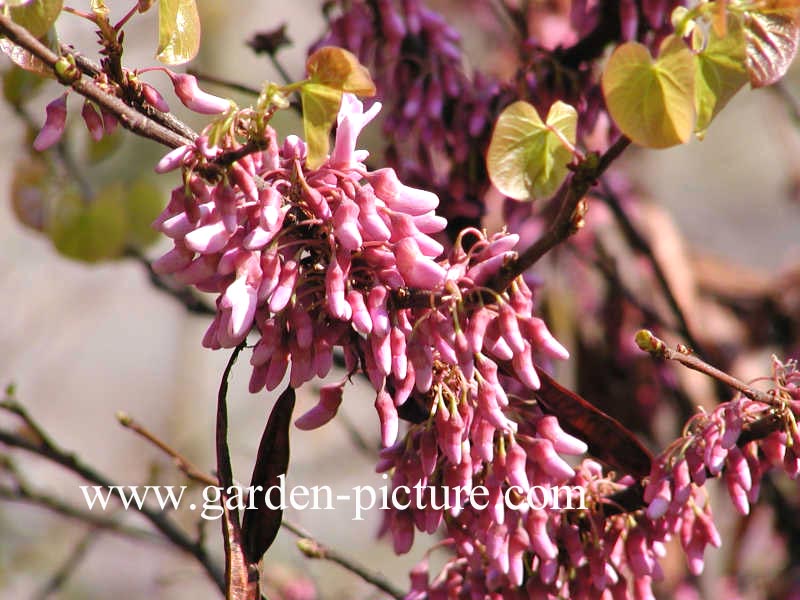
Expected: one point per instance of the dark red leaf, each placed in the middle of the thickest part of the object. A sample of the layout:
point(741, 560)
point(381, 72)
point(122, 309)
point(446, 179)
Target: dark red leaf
point(260, 525)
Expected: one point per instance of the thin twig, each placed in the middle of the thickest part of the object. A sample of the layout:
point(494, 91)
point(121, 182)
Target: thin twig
point(22, 494)
point(639, 244)
point(68, 567)
point(47, 449)
point(233, 85)
point(182, 294)
point(127, 116)
point(659, 349)
point(185, 465)
point(314, 549)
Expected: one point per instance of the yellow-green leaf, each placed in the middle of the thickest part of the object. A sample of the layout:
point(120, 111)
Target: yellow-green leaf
point(143, 202)
point(105, 147)
point(340, 69)
point(90, 232)
point(37, 16)
point(528, 158)
point(652, 102)
point(32, 190)
point(178, 31)
point(19, 85)
point(320, 107)
point(720, 73)
point(772, 31)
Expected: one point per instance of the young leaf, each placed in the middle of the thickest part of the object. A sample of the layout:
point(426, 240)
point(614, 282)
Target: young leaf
point(32, 189)
point(37, 16)
point(143, 202)
point(652, 102)
point(320, 107)
point(178, 31)
point(260, 526)
point(720, 73)
point(772, 31)
point(528, 158)
point(24, 59)
point(90, 232)
point(340, 69)
point(19, 85)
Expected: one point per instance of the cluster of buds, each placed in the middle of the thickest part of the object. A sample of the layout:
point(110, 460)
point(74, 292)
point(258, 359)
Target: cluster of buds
point(550, 554)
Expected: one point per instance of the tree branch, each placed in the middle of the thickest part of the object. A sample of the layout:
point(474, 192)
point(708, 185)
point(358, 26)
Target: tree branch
point(127, 116)
point(47, 449)
point(314, 549)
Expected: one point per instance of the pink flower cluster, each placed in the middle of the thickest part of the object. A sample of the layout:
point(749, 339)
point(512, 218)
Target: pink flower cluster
point(439, 120)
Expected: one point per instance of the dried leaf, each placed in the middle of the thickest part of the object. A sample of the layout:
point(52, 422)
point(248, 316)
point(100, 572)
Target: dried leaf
point(260, 526)
point(608, 440)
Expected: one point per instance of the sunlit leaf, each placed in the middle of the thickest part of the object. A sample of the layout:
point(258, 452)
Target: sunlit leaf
point(91, 231)
point(178, 31)
point(99, 8)
point(143, 202)
point(340, 69)
point(772, 31)
point(528, 157)
point(652, 102)
point(320, 107)
point(32, 191)
point(24, 59)
point(37, 16)
point(20, 85)
point(720, 73)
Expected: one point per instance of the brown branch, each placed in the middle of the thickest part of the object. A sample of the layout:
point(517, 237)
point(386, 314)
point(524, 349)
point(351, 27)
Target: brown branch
point(47, 449)
point(68, 567)
point(21, 493)
point(639, 244)
point(237, 570)
point(314, 549)
point(181, 462)
point(658, 348)
point(127, 116)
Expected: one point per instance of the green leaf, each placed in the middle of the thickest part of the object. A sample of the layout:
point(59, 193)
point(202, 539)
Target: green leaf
point(143, 203)
point(37, 16)
point(320, 107)
point(19, 85)
point(652, 102)
point(178, 31)
point(90, 232)
point(772, 31)
point(33, 188)
point(720, 73)
point(340, 69)
point(105, 147)
point(528, 158)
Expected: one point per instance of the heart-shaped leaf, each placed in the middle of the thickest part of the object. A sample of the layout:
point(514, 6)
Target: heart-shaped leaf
point(720, 73)
point(37, 16)
point(652, 102)
point(340, 69)
point(320, 107)
point(527, 157)
point(772, 31)
point(143, 202)
point(90, 232)
point(178, 31)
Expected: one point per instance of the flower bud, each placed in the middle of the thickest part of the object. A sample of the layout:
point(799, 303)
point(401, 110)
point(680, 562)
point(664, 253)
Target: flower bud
point(54, 124)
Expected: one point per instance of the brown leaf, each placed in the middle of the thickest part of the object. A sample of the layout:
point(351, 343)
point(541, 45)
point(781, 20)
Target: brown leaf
point(607, 438)
point(260, 525)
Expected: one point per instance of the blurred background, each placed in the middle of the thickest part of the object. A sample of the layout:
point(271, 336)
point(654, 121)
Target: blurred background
point(82, 342)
